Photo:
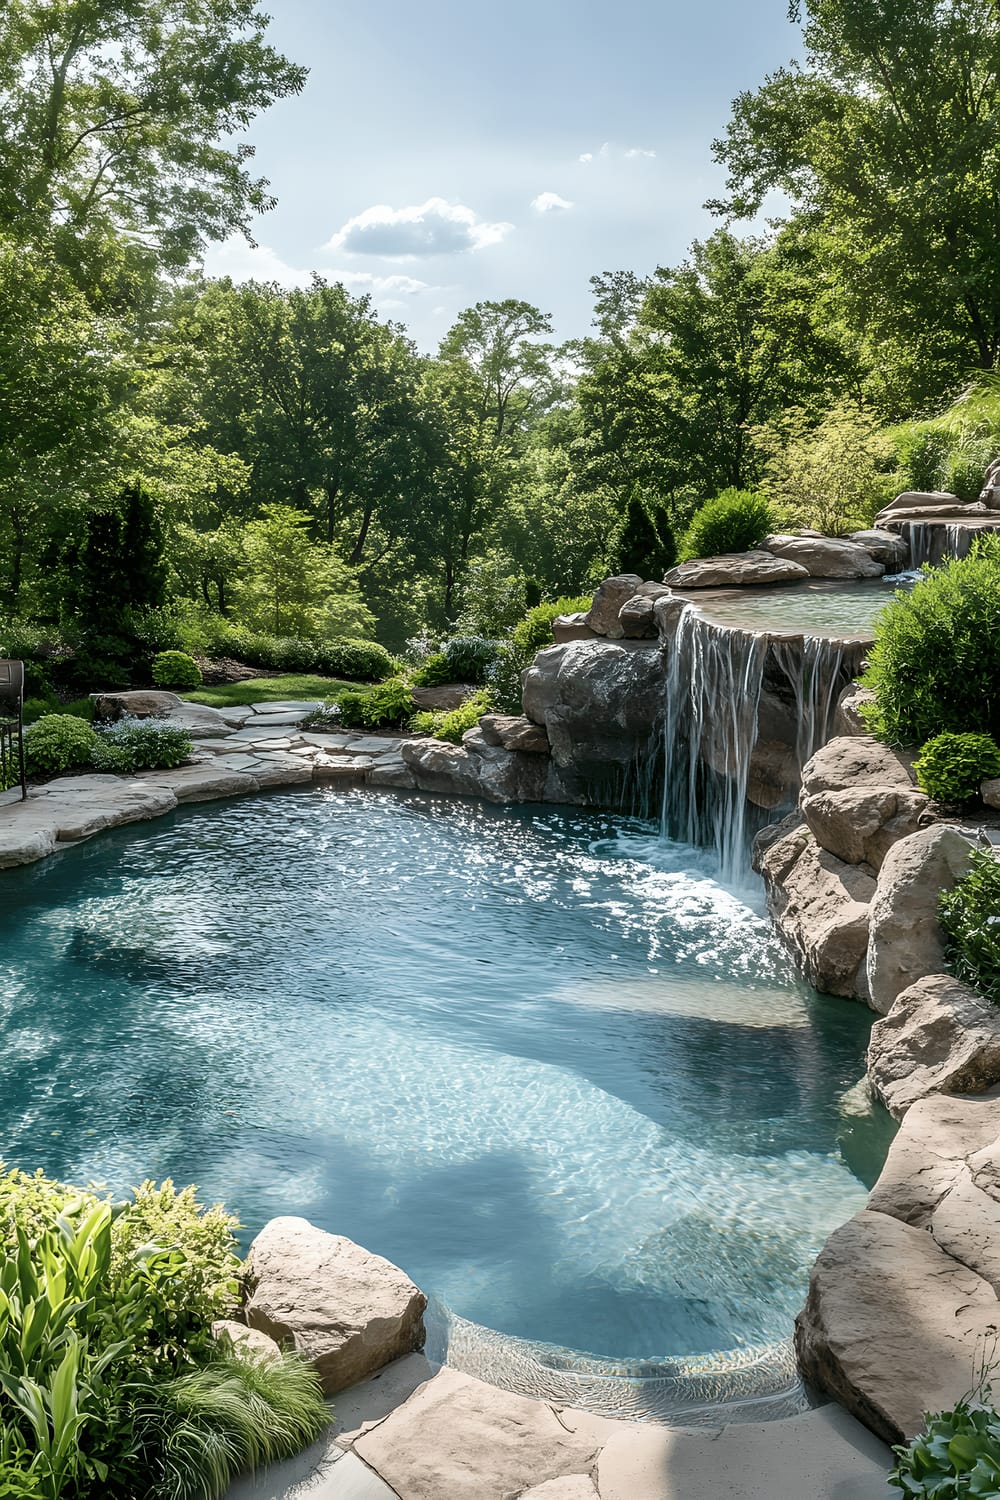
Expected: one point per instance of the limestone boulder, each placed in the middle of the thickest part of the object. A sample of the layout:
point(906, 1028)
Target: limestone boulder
point(939, 1136)
point(825, 557)
point(344, 1310)
point(601, 702)
point(990, 792)
point(856, 761)
point(848, 719)
point(602, 617)
point(886, 547)
point(735, 570)
point(514, 732)
point(142, 703)
point(446, 697)
point(200, 783)
point(199, 721)
point(861, 824)
point(249, 1341)
point(939, 1037)
point(905, 936)
point(820, 908)
point(892, 1324)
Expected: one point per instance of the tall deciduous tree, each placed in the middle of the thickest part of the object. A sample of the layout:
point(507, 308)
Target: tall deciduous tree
point(887, 142)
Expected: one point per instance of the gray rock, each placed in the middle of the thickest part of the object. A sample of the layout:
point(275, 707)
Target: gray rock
point(906, 941)
point(600, 702)
point(990, 792)
point(861, 824)
point(142, 703)
point(514, 732)
point(200, 783)
point(825, 557)
point(892, 1324)
point(571, 628)
point(448, 696)
point(939, 1037)
point(885, 547)
point(919, 500)
point(735, 570)
point(637, 615)
point(392, 773)
point(281, 768)
point(344, 1310)
point(602, 617)
point(476, 769)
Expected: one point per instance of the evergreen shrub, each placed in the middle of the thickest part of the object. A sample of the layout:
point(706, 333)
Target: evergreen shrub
point(175, 669)
point(735, 521)
point(951, 766)
point(57, 743)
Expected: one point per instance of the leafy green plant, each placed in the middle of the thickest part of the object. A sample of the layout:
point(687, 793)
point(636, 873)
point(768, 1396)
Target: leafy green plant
point(58, 742)
point(355, 660)
point(175, 669)
point(970, 920)
point(951, 767)
point(534, 632)
point(469, 657)
point(503, 679)
point(935, 665)
point(734, 521)
point(391, 703)
point(140, 745)
point(957, 1455)
point(435, 671)
point(451, 724)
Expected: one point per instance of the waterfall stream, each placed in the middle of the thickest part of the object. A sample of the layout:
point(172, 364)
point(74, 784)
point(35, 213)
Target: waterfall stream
point(719, 679)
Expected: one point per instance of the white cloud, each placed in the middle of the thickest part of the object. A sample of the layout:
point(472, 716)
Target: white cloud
point(547, 203)
point(364, 281)
point(244, 262)
point(634, 151)
point(586, 157)
point(607, 152)
point(432, 228)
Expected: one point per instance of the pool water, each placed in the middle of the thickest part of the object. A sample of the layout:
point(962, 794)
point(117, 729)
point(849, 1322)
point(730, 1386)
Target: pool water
point(540, 1058)
point(816, 607)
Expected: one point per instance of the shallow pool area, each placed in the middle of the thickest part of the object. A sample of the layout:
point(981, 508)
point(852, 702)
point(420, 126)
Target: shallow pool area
point(815, 607)
point(540, 1058)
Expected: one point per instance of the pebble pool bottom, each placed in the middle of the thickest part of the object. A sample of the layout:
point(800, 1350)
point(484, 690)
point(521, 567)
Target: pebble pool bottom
point(540, 1058)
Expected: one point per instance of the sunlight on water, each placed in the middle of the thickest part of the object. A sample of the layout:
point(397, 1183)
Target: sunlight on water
point(540, 1058)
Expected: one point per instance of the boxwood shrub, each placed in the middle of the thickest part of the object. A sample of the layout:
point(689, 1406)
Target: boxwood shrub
point(734, 521)
point(175, 669)
point(57, 743)
point(951, 767)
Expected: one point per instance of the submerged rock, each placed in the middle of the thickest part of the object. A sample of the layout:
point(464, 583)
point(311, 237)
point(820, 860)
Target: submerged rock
point(344, 1310)
point(939, 1037)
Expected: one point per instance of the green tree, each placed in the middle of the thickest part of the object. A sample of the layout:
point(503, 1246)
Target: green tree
point(291, 585)
point(834, 475)
point(887, 142)
point(117, 120)
point(645, 543)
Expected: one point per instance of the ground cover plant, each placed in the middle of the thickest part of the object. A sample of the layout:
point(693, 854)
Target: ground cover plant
point(452, 724)
point(111, 1384)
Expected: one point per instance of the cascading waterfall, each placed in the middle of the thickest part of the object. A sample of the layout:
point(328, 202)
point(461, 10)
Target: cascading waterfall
point(717, 678)
point(710, 728)
point(931, 542)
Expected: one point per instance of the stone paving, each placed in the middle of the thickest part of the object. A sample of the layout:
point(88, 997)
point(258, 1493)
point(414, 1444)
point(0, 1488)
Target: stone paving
point(421, 1432)
point(235, 751)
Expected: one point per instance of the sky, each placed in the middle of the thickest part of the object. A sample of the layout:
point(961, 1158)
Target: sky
point(449, 151)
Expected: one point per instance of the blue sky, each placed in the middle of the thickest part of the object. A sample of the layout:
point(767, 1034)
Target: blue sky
point(446, 151)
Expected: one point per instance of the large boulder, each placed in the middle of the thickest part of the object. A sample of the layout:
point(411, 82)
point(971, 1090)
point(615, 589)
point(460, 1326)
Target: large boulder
point(861, 824)
point(142, 703)
point(825, 557)
point(892, 1324)
point(637, 615)
point(855, 761)
point(820, 908)
point(852, 762)
point(600, 702)
point(602, 617)
point(735, 570)
point(918, 500)
point(344, 1310)
point(885, 547)
point(571, 628)
point(939, 1135)
point(475, 769)
point(905, 935)
point(939, 1037)
point(990, 792)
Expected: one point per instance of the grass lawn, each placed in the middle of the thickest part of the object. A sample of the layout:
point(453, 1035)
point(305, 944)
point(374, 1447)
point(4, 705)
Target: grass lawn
point(273, 690)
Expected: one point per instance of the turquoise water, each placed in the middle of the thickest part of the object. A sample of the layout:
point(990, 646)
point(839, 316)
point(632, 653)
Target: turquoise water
point(539, 1058)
